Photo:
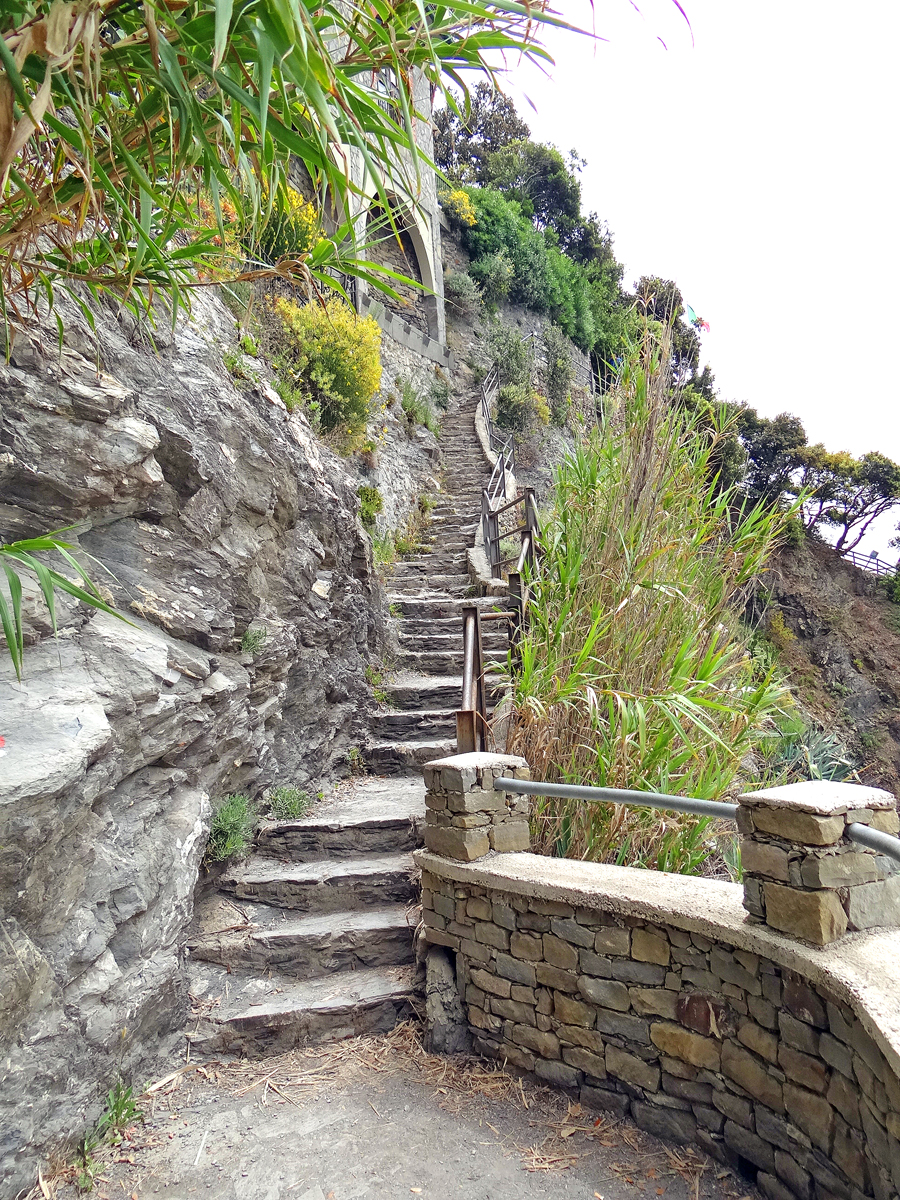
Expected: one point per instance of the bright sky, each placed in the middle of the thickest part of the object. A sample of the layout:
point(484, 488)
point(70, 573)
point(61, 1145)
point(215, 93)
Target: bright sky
point(758, 168)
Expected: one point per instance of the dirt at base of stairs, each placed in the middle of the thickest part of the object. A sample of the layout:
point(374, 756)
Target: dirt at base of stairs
point(379, 1118)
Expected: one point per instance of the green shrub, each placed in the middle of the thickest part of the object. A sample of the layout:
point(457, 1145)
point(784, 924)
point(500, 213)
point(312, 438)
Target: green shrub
point(510, 353)
point(557, 372)
point(231, 831)
point(289, 803)
point(291, 230)
point(439, 392)
point(515, 407)
point(416, 410)
point(494, 275)
point(384, 551)
point(462, 292)
point(332, 358)
point(371, 504)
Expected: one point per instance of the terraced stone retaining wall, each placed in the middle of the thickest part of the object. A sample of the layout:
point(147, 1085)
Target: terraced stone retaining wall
point(657, 996)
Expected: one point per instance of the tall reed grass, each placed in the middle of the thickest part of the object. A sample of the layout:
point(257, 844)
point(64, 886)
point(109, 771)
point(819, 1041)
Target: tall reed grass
point(635, 667)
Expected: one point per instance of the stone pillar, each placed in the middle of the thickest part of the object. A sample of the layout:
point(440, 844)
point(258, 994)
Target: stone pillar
point(465, 815)
point(802, 874)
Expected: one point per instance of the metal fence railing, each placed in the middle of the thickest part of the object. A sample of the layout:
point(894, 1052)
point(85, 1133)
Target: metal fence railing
point(862, 835)
point(871, 563)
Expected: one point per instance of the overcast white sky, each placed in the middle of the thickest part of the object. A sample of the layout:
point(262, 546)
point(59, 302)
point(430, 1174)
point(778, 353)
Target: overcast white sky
point(758, 168)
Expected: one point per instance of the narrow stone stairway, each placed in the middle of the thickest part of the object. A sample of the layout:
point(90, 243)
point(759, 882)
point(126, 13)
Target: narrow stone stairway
point(311, 938)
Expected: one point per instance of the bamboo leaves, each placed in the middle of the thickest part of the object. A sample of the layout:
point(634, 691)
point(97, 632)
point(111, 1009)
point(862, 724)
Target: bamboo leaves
point(14, 556)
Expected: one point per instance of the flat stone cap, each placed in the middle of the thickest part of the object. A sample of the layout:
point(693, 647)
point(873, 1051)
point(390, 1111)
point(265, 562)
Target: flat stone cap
point(478, 760)
point(821, 796)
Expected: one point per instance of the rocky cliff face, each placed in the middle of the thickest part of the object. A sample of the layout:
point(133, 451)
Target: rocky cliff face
point(841, 646)
point(213, 510)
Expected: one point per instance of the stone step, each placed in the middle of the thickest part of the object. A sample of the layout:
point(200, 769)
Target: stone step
point(415, 723)
point(439, 605)
point(422, 591)
point(413, 627)
point(326, 885)
point(408, 573)
point(451, 640)
point(271, 1016)
point(420, 692)
point(364, 817)
point(304, 947)
point(443, 662)
point(402, 757)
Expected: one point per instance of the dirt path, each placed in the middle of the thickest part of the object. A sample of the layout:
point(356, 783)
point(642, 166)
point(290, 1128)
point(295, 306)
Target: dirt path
point(378, 1118)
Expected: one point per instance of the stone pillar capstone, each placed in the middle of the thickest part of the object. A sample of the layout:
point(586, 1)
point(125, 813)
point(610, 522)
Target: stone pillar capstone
point(466, 816)
point(802, 875)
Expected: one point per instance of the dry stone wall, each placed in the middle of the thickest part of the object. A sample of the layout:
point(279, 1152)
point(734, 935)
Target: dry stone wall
point(659, 997)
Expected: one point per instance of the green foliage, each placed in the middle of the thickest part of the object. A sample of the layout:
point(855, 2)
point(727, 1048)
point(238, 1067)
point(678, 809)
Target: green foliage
point(117, 117)
point(292, 230)
point(371, 504)
point(333, 358)
point(493, 276)
point(796, 752)
point(439, 391)
point(231, 830)
point(557, 372)
point(510, 353)
point(254, 639)
point(416, 409)
point(119, 1112)
point(356, 761)
point(635, 670)
point(16, 555)
point(519, 407)
point(289, 803)
point(465, 136)
point(384, 550)
point(462, 293)
point(375, 678)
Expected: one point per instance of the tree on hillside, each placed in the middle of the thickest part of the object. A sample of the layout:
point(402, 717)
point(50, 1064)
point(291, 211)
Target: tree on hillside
point(661, 300)
point(848, 493)
point(539, 178)
point(773, 449)
point(464, 140)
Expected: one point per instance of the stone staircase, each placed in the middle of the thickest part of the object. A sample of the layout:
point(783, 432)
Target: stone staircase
point(311, 939)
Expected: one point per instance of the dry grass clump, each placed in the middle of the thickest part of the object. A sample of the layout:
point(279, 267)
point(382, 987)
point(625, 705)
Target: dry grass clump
point(636, 672)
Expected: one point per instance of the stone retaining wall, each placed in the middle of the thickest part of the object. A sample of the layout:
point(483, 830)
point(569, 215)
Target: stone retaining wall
point(659, 997)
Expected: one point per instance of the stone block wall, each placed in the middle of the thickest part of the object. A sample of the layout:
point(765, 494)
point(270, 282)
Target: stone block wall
point(802, 874)
point(733, 1042)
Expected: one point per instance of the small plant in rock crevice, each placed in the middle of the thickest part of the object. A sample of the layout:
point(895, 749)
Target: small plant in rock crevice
point(371, 503)
point(289, 803)
point(356, 761)
point(376, 676)
point(231, 830)
point(254, 639)
point(416, 410)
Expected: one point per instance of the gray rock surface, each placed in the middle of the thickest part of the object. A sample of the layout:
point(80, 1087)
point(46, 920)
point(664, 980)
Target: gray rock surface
point(213, 509)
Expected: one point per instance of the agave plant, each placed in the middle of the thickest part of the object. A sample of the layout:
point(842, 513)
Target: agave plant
point(13, 556)
point(142, 143)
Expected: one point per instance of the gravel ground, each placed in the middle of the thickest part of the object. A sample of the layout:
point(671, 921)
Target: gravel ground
point(378, 1118)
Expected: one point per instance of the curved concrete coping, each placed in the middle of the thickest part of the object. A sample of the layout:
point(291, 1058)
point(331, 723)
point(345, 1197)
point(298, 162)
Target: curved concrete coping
point(479, 567)
point(860, 969)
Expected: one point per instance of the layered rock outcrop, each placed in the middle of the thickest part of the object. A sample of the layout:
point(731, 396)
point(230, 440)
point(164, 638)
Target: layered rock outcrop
point(206, 510)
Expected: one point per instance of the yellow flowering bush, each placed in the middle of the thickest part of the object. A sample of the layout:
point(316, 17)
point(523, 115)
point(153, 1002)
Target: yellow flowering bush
point(457, 204)
point(293, 228)
point(332, 359)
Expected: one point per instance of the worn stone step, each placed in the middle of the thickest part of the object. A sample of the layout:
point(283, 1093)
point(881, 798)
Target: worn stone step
point(305, 947)
point(364, 817)
point(440, 605)
point(325, 885)
point(443, 662)
point(414, 692)
point(415, 723)
point(405, 572)
point(403, 757)
point(257, 1016)
point(451, 640)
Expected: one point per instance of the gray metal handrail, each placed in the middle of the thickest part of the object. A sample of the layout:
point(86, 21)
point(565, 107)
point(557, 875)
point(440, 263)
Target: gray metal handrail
point(865, 562)
point(574, 791)
point(862, 835)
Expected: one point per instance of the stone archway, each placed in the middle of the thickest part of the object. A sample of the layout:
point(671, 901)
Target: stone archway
point(406, 250)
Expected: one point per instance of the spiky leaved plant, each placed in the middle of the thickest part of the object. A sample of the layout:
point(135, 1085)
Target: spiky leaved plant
point(635, 668)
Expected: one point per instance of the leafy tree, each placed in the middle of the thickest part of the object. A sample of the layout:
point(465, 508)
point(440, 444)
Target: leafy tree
point(773, 453)
point(538, 177)
point(848, 493)
point(466, 135)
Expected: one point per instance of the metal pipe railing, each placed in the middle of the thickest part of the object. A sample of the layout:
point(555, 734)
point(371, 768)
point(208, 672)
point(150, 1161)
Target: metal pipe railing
point(862, 835)
point(874, 839)
point(573, 791)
